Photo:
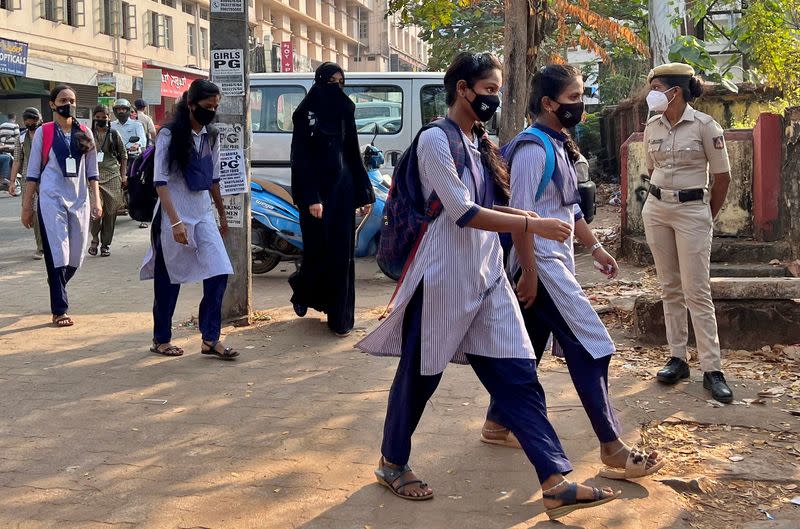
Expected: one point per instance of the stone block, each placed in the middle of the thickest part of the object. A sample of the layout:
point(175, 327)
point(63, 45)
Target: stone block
point(742, 324)
point(747, 270)
point(753, 288)
point(723, 250)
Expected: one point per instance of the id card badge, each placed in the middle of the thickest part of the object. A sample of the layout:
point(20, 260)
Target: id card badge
point(71, 166)
point(100, 156)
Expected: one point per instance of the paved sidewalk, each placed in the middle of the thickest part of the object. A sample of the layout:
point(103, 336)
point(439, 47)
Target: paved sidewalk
point(97, 432)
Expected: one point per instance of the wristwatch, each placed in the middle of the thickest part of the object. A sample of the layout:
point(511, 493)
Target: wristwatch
point(596, 246)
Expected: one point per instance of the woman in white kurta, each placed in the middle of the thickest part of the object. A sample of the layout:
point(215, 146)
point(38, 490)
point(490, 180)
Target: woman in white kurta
point(187, 245)
point(455, 303)
point(62, 169)
point(553, 302)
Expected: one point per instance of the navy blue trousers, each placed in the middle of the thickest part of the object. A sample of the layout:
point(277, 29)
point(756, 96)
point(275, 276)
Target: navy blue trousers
point(166, 298)
point(512, 383)
point(57, 277)
point(589, 375)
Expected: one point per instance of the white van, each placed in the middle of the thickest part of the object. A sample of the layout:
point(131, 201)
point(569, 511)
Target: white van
point(399, 103)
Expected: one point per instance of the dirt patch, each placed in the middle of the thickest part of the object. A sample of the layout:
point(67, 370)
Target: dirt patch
point(737, 474)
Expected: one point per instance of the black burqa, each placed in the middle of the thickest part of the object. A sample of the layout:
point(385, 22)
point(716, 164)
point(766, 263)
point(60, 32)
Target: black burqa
point(327, 169)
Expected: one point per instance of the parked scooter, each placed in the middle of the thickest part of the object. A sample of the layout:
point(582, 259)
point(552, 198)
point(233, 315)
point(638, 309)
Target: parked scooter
point(276, 234)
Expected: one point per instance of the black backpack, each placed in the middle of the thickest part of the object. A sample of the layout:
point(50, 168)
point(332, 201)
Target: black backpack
point(142, 196)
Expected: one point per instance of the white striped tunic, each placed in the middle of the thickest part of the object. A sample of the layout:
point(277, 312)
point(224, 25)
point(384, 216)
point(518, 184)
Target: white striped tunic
point(468, 306)
point(555, 260)
point(205, 255)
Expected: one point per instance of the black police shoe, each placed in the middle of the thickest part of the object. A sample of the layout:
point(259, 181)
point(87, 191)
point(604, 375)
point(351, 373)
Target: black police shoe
point(715, 381)
point(675, 370)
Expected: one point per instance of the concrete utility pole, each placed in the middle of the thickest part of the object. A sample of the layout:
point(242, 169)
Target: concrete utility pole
point(229, 68)
point(662, 31)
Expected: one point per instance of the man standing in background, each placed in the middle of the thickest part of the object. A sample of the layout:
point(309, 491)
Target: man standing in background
point(129, 128)
point(9, 132)
point(145, 119)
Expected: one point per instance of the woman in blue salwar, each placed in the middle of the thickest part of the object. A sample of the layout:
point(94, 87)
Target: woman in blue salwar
point(62, 170)
point(187, 244)
point(457, 305)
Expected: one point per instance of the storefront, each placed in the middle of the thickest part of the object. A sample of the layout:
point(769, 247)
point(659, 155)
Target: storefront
point(164, 85)
point(26, 81)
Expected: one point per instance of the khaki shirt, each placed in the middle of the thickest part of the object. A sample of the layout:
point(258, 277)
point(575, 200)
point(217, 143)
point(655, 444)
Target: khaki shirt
point(681, 156)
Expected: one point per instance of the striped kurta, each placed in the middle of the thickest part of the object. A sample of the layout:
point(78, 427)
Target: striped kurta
point(555, 260)
point(469, 306)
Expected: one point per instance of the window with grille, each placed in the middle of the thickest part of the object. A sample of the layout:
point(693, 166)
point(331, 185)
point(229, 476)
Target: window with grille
point(190, 40)
point(204, 43)
point(70, 12)
point(187, 7)
point(168, 33)
point(128, 21)
point(10, 5)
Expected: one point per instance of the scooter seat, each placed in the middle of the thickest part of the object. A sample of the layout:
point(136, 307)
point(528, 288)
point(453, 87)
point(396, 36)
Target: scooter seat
point(275, 189)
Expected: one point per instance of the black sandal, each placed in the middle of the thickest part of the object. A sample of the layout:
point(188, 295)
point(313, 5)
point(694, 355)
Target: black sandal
point(571, 502)
point(226, 354)
point(93, 248)
point(172, 350)
point(395, 479)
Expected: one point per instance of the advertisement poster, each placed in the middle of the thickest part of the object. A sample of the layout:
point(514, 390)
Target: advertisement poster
point(106, 86)
point(287, 56)
point(232, 178)
point(233, 210)
point(227, 71)
point(227, 6)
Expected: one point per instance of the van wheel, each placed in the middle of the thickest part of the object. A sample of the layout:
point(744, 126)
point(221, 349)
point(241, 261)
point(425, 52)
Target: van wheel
point(265, 263)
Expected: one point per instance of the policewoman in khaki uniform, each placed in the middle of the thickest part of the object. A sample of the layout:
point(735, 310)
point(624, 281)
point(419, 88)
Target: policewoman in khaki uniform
point(690, 173)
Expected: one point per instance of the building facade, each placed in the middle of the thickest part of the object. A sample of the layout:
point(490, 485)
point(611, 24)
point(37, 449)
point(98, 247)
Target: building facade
point(109, 48)
point(86, 43)
point(356, 34)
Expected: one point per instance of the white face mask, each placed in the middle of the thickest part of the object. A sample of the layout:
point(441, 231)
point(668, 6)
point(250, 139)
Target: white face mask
point(657, 101)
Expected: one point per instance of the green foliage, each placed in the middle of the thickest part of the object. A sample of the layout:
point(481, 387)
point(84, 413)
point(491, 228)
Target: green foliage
point(588, 136)
point(621, 76)
point(769, 32)
point(692, 51)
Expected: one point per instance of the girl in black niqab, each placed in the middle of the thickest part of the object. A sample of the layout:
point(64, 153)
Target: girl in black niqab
point(329, 182)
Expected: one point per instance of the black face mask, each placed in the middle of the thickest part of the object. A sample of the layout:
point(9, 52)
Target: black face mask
point(485, 106)
point(203, 115)
point(570, 114)
point(32, 128)
point(101, 123)
point(66, 111)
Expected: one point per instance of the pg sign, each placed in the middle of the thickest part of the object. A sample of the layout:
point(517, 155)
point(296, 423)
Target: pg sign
point(287, 56)
point(227, 71)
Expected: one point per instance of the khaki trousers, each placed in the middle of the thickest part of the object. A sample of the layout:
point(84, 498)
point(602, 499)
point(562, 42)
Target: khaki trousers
point(679, 236)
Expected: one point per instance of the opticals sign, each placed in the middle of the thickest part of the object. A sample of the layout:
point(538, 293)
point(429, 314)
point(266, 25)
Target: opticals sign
point(13, 57)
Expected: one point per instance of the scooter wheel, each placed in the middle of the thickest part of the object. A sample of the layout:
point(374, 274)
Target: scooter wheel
point(262, 266)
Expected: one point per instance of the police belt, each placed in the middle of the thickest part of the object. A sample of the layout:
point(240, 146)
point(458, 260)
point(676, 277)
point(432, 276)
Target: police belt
point(684, 195)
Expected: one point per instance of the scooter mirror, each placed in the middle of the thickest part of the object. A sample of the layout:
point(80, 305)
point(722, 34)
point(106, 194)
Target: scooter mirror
point(375, 136)
point(134, 139)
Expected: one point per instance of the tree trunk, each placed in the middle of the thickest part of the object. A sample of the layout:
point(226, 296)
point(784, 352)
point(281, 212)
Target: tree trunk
point(662, 32)
point(515, 74)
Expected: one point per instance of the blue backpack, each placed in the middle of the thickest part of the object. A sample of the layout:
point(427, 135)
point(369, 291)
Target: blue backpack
point(532, 134)
point(529, 135)
point(408, 212)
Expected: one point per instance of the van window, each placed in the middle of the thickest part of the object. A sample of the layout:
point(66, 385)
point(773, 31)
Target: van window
point(432, 99)
point(377, 105)
point(271, 107)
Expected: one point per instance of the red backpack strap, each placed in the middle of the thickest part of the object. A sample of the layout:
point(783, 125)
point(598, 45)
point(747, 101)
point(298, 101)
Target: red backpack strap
point(48, 133)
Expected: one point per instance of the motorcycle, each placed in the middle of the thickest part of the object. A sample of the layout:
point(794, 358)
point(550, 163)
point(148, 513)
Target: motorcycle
point(276, 234)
